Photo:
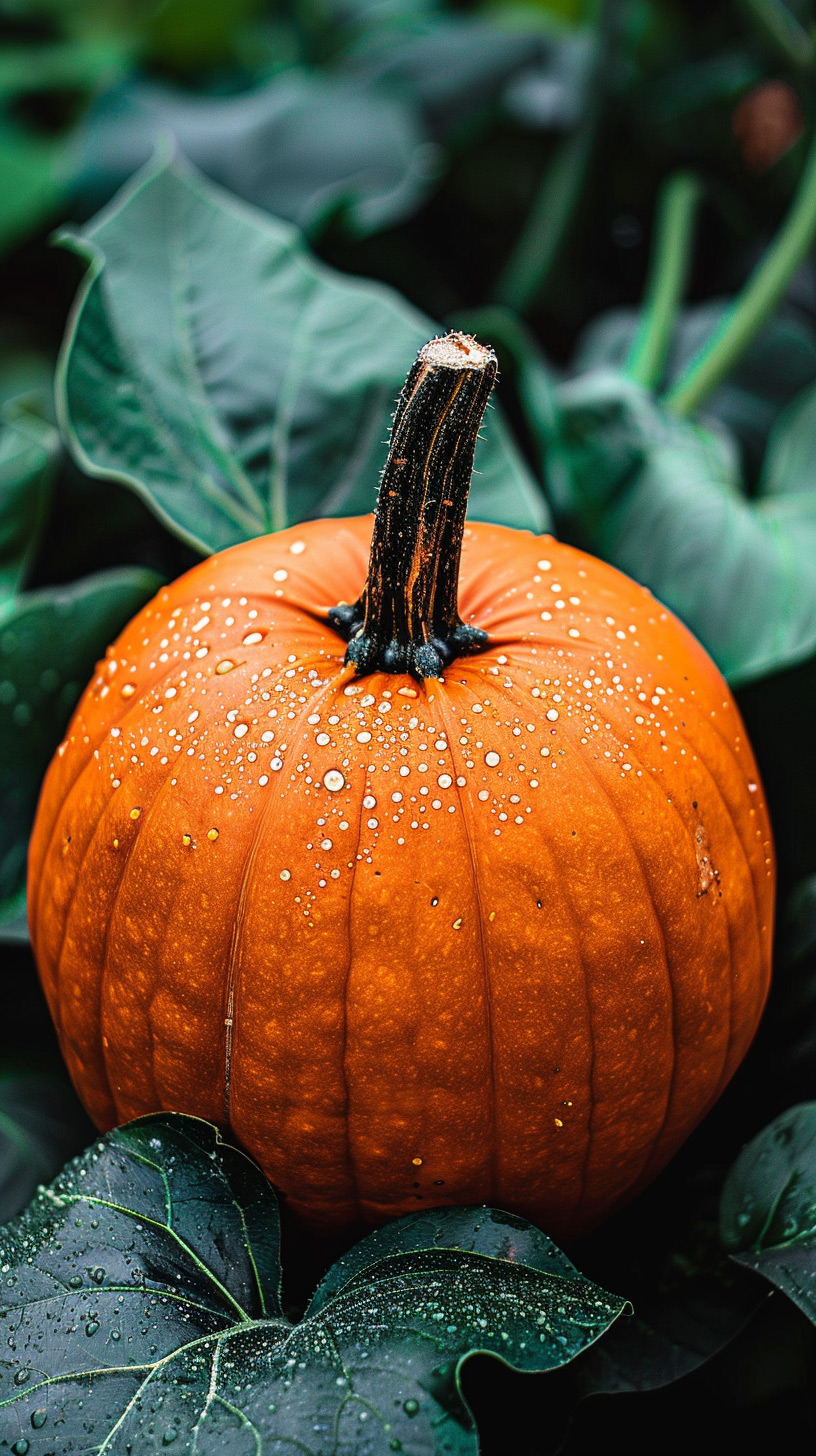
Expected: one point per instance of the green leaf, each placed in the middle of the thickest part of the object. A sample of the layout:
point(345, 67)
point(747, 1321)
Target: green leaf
point(302, 147)
point(662, 500)
point(768, 1209)
point(49, 642)
point(28, 448)
point(41, 1124)
point(456, 67)
point(236, 384)
point(689, 1299)
point(143, 1292)
point(790, 462)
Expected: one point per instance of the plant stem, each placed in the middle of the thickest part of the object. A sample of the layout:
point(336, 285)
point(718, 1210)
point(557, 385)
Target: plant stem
point(755, 303)
point(779, 25)
point(407, 619)
point(668, 274)
point(547, 227)
point(540, 241)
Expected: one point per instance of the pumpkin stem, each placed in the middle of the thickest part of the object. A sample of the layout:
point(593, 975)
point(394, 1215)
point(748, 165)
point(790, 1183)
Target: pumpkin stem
point(407, 619)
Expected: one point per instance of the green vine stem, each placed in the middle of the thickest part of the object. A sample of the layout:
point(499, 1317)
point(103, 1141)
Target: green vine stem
point(547, 227)
point(791, 41)
point(668, 274)
point(542, 237)
point(755, 303)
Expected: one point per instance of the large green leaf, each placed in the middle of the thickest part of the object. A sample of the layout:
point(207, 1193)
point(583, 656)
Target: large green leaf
point(768, 1210)
point(28, 447)
point(662, 499)
point(49, 641)
point(456, 67)
point(142, 1289)
point(41, 1124)
point(303, 146)
point(238, 385)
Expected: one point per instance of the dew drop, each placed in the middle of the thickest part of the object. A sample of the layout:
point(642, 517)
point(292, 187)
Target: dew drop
point(333, 780)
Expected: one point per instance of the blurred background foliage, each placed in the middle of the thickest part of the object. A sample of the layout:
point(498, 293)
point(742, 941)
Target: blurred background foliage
point(621, 196)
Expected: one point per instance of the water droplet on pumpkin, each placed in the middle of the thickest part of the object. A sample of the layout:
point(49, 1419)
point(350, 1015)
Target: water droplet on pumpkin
point(492, 759)
point(251, 639)
point(333, 780)
point(128, 689)
point(225, 665)
point(134, 813)
point(286, 874)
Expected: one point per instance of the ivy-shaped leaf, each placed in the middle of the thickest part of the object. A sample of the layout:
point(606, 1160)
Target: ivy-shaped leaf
point(49, 642)
point(768, 1209)
point(235, 383)
point(662, 499)
point(141, 1310)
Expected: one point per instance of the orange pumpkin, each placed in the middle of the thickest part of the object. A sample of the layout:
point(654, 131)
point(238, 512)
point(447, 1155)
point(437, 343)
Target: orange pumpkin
point(462, 918)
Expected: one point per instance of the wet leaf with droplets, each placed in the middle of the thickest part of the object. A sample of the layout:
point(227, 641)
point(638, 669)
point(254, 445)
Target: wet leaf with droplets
point(141, 1308)
point(238, 400)
point(768, 1209)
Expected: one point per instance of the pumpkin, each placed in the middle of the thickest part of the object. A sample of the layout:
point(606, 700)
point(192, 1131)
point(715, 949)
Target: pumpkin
point(443, 876)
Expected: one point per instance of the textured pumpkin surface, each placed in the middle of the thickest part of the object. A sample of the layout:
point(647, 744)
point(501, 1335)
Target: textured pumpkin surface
point(500, 938)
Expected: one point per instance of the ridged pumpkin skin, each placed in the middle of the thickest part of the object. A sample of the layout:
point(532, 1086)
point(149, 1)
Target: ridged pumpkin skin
point(500, 938)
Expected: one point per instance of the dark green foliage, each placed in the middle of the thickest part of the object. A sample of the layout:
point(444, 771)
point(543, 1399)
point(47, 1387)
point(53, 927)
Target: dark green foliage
point(49, 641)
point(236, 377)
point(41, 1124)
point(142, 1301)
point(663, 499)
point(168, 384)
point(768, 1209)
